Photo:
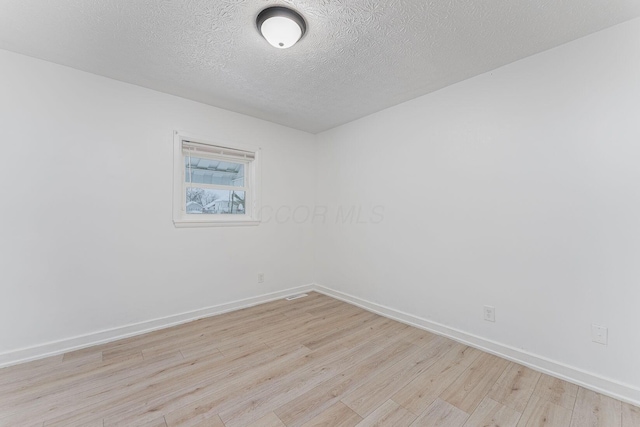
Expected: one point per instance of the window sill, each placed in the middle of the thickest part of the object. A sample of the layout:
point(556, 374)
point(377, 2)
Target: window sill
point(189, 223)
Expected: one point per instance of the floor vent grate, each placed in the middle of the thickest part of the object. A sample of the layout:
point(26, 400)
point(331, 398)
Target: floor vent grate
point(292, 297)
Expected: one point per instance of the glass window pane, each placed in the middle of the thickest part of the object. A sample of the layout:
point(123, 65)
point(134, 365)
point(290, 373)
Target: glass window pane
point(206, 201)
point(208, 171)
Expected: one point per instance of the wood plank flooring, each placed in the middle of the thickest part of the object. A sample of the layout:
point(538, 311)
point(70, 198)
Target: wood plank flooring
point(313, 361)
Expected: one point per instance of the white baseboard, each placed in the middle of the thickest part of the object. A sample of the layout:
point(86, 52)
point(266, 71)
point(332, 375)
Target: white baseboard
point(82, 341)
point(600, 384)
point(616, 389)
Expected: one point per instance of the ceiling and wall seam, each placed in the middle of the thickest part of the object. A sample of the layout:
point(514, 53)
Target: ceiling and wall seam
point(358, 56)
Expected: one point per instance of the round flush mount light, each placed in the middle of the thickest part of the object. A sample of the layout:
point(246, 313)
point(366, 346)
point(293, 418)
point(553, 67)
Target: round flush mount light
point(280, 26)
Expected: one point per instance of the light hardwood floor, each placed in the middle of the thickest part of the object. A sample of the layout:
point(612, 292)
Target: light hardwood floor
point(313, 361)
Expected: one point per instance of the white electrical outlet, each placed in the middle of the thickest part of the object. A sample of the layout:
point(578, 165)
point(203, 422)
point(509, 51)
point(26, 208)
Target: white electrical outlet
point(599, 334)
point(260, 277)
point(489, 313)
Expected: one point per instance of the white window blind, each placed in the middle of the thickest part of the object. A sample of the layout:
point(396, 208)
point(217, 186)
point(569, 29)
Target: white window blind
point(195, 148)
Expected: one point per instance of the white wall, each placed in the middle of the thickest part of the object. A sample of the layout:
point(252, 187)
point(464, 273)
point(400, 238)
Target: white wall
point(87, 240)
point(519, 189)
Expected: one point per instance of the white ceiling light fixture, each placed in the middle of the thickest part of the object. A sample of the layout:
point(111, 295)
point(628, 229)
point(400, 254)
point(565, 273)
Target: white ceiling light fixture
point(280, 26)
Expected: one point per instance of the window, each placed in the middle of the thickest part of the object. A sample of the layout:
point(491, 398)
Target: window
point(215, 183)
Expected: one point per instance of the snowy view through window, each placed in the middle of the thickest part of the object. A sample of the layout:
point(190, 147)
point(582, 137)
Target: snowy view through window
point(203, 176)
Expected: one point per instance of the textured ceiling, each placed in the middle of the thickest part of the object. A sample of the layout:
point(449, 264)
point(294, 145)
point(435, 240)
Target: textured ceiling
point(358, 57)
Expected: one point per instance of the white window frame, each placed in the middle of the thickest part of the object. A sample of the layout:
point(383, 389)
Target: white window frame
point(252, 178)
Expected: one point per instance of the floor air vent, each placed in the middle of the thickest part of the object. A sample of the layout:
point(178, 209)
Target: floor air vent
point(292, 297)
